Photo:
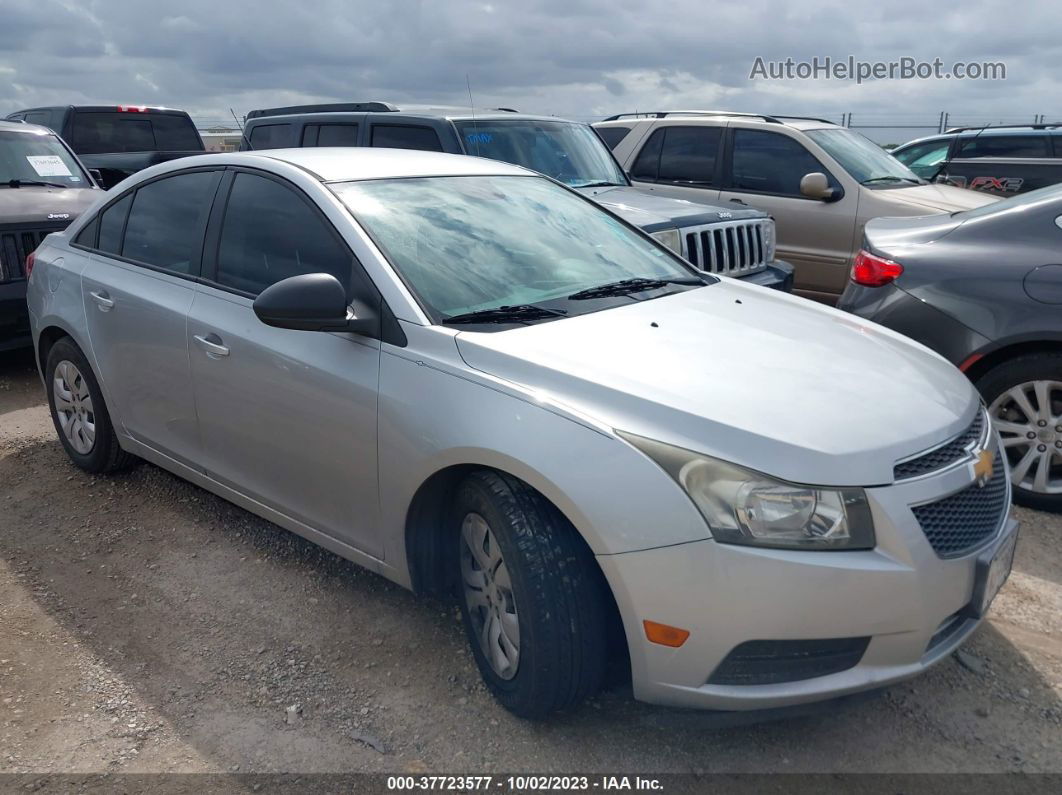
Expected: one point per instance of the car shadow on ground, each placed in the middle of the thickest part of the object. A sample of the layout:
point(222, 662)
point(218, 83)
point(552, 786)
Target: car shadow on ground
point(221, 623)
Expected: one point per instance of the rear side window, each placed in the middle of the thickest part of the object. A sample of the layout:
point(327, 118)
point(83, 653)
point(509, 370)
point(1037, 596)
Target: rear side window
point(688, 154)
point(270, 136)
point(647, 165)
point(330, 135)
point(271, 233)
point(404, 137)
point(612, 135)
point(175, 133)
point(1004, 146)
point(167, 219)
point(112, 222)
point(768, 162)
point(87, 236)
point(93, 133)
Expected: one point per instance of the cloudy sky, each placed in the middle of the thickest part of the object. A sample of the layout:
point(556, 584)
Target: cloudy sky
point(579, 58)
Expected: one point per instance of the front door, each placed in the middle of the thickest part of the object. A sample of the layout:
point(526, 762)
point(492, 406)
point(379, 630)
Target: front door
point(287, 418)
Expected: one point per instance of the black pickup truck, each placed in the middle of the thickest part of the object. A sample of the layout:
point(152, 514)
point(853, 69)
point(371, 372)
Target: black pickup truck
point(1002, 159)
point(115, 141)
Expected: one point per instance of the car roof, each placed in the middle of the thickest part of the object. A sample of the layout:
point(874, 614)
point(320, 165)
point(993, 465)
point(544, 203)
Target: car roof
point(21, 126)
point(718, 117)
point(448, 113)
point(342, 163)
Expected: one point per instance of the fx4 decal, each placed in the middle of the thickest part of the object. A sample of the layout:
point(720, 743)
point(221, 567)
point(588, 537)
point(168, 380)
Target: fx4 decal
point(999, 184)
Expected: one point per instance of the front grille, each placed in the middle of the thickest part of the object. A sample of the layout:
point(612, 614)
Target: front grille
point(730, 248)
point(16, 245)
point(958, 524)
point(768, 662)
point(945, 455)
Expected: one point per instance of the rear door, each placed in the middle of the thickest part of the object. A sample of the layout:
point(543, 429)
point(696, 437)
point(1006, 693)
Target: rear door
point(681, 161)
point(137, 286)
point(288, 418)
point(763, 169)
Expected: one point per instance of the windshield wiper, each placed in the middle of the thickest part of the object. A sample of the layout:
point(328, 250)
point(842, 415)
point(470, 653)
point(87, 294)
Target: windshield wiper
point(628, 286)
point(519, 313)
point(890, 178)
point(18, 183)
point(601, 184)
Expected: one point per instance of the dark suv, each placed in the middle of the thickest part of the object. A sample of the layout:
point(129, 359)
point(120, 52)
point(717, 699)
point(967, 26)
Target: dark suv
point(1003, 160)
point(119, 140)
point(734, 240)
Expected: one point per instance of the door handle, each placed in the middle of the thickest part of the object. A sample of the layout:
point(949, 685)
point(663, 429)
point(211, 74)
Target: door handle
point(738, 201)
point(211, 343)
point(103, 300)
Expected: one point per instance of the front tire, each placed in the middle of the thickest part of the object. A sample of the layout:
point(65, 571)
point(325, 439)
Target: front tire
point(532, 598)
point(79, 413)
point(1024, 397)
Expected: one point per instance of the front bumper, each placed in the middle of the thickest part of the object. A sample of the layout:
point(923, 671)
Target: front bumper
point(14, 318)
point(778, 275)
point(912, 605)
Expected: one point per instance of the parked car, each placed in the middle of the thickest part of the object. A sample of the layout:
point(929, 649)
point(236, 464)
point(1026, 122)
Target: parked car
point(820, 182)
point(370, 349)
point(731, 241)
point(119, 140)
point(43, 188)
point(984, 289)
point(1002, 160)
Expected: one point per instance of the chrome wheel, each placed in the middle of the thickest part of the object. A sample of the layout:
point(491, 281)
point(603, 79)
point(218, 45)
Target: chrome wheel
point(73, 407)
point(1029, 420)
point(489, 596)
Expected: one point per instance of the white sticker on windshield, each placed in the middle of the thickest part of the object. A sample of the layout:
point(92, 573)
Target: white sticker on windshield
point(48, 165)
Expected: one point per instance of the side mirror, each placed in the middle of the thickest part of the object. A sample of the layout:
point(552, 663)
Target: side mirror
point(97, 175)
point(816, 186)
point(314, 302)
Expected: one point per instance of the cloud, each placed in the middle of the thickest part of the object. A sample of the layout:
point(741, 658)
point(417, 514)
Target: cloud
point(579, 58)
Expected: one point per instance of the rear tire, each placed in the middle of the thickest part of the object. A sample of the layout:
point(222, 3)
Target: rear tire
point(79, 413)
point(1024, 396)
point(531, 595)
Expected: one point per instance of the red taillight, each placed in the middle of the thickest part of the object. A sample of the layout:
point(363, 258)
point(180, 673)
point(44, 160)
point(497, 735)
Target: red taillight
point(872, 271)
point(132, 108)
point(30, 259)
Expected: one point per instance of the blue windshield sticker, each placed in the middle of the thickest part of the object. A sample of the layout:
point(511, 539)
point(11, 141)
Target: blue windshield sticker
point(479, 138)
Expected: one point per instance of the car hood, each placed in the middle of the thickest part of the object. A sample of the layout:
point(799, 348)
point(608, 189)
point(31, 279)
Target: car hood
point(769, 381)
point(939, 198)
point(36, 204)
point(653, 213)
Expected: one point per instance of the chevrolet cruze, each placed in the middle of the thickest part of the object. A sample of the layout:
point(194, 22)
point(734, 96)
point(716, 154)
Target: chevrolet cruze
point(468, 378)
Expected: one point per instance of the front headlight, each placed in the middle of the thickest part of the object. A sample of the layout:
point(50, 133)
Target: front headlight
point(769, 235)
point(745, 507)
point(670, 238)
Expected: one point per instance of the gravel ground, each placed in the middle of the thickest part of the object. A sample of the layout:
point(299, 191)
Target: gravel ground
point(148, 626)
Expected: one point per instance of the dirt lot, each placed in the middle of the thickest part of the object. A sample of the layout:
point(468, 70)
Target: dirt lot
point(146, 625)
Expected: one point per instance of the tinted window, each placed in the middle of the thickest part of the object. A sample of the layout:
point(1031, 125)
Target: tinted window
point(270, 233)
point(175, 133)
point(41, 117)
point(689, 153)
point(271, 136)
point(87, 236)
point(647, 166)
point(166, 221)
point(770, 162)
point(612, 135)
point(338, 135)
point(1004, 146)
point(111, 224)
point(111, 132)
point(395, 137)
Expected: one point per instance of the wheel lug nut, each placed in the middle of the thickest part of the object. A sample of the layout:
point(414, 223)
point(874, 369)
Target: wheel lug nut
point(1041, 423)
point(1031, 435)
point(1041, 447)
point(1058, 443)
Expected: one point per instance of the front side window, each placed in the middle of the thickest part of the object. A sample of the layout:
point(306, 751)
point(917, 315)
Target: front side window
point(167, 219)
point(29, 157)
point(270, 233)
point(767, 162)
point(570, 153)
point(473, 243)
point(395, 136)
point(1004, 146)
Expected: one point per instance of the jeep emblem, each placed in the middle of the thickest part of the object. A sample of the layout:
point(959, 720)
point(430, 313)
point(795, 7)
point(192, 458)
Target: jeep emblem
point(58, 216)
point(726, 215)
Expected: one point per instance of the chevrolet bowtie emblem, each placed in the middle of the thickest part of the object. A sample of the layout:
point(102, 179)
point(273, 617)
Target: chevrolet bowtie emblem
point(984, 466)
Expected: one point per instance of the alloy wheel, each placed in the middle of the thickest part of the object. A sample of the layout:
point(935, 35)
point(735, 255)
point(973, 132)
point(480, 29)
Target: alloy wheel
point(1028, 417)
point(489, 596)
point(73, 406)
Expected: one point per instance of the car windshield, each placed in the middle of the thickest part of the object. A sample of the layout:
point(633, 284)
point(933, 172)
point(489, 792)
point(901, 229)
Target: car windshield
point(33, 158)
point(470, 243)
point(862, 158)
point(570, 153)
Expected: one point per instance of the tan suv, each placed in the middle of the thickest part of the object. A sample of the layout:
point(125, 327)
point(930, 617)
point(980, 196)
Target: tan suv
point(821, 182)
